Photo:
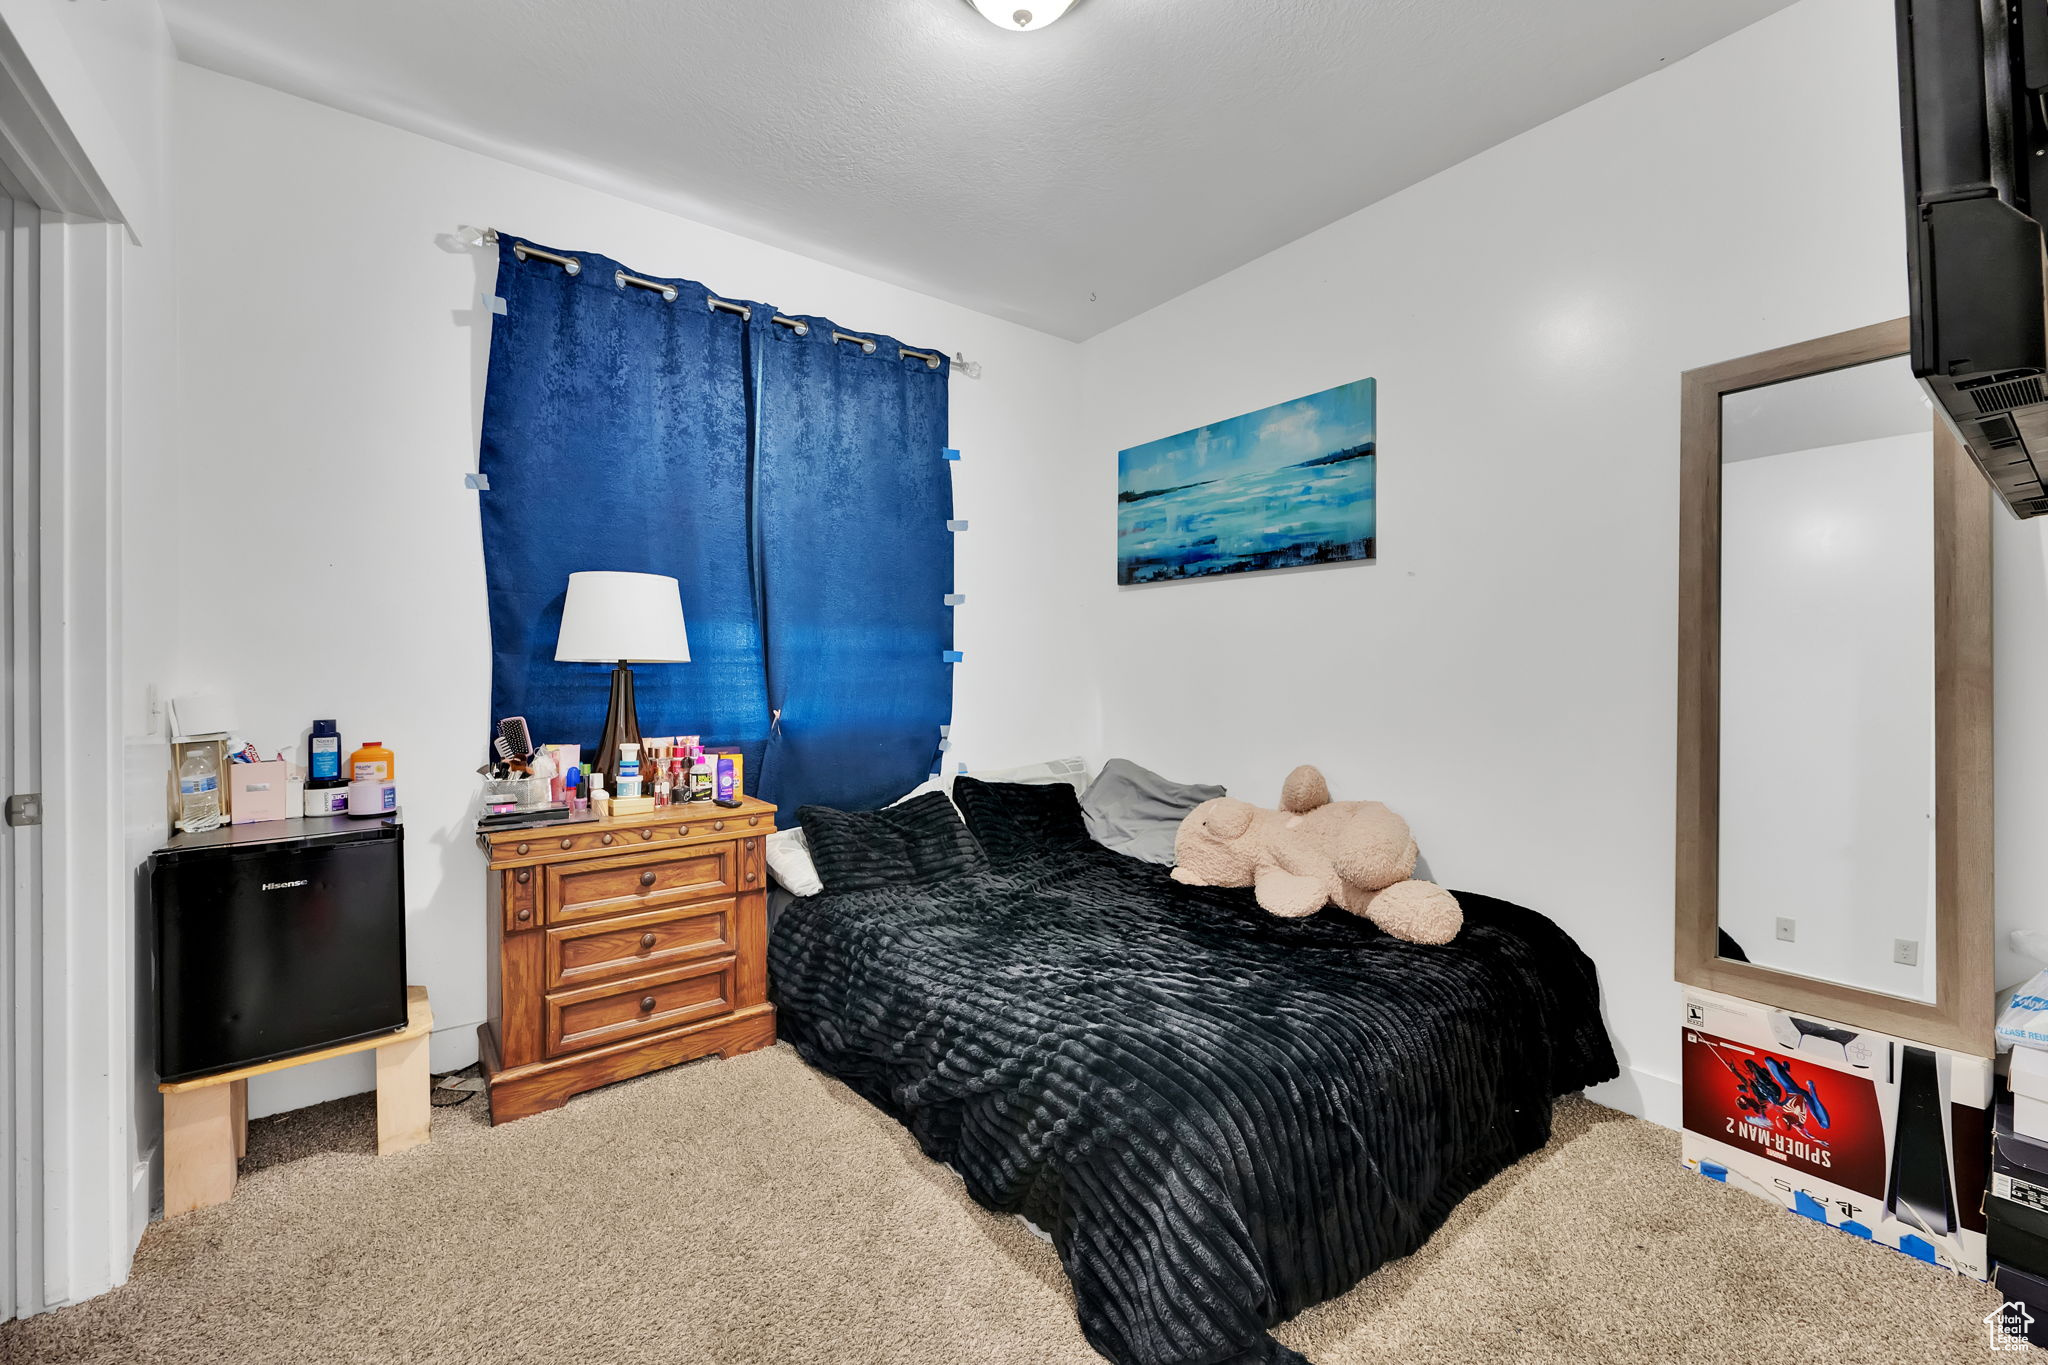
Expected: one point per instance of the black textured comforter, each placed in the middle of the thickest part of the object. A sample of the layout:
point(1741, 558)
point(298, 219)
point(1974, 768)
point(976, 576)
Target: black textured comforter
point(1221, 1117)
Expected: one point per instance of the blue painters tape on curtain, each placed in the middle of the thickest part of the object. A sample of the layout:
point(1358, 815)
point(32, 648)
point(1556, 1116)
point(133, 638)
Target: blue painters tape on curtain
point(954, 599)
point(955, 525)
point(952, 454)
point(615, 436)
point(855, 560)
point(951, 656)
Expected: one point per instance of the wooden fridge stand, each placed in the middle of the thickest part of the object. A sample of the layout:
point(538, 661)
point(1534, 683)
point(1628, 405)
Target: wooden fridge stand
point(206, 1119)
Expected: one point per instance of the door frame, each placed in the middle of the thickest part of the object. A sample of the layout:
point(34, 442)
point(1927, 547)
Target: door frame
point(68, 1070)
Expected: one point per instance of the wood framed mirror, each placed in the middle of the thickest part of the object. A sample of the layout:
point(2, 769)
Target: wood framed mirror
point(1834, 852)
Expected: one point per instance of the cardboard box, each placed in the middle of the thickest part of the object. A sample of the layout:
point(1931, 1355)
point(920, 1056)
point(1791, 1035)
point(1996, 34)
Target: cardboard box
point(1885, 1139)
point(2029, 1068)
point(258, 791)
point(2018, 1202)
point(2030, 1117)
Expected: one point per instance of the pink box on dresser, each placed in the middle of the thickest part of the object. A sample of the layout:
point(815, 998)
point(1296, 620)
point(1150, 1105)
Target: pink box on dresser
point(256, 791)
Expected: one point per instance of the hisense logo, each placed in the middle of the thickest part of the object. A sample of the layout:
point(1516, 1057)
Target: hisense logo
point(285, 886)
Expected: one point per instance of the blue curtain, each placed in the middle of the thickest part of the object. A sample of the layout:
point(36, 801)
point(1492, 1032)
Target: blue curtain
point(854, 493)
point(794, 485)
point(615, 436)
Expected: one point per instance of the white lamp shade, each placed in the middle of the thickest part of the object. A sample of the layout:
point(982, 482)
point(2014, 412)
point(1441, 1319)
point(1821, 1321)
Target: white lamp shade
point(610, 617)
point(1021, 16)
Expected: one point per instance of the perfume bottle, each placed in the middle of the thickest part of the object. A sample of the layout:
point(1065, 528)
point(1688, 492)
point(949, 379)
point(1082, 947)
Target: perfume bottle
point(662, 789)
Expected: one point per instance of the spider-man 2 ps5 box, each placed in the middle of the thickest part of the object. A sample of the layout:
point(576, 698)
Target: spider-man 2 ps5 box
point(1884, 1139)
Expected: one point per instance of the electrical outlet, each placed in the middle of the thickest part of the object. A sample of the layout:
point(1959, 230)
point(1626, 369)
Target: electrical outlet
point(1906, 951)
point(1787, 929)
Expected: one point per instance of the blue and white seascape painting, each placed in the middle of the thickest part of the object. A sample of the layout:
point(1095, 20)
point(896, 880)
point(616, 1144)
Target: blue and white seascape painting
point(1284, 486)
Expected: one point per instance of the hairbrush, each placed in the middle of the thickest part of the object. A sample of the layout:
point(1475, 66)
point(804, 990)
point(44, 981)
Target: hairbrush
point(515, 741)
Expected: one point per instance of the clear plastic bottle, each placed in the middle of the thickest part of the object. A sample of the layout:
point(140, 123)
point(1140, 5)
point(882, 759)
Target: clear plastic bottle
point(198, 787)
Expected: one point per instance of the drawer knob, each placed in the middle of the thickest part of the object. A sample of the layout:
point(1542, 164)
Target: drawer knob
point(646, 940)
point(646, 1002)
point(647, 877)
point(750, 874)
point(681, 830)
point(525, 876)
point(607, 838)
point(718, 824)
point(753, 819)
point(568, 843)
point(522, 848)
point(646, 834)
point(523, 916)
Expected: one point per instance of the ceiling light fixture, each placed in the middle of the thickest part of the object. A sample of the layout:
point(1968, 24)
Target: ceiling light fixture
point(1021, 16)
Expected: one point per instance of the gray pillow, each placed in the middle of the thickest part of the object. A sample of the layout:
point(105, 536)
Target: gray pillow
point(1136, 811)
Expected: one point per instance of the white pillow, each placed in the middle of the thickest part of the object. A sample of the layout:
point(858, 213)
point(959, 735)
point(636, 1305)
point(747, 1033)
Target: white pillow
point(1072, 771)
point(789, 862)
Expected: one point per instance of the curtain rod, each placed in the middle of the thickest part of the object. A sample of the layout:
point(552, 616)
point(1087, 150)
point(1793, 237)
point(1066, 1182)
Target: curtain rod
point(570, 265)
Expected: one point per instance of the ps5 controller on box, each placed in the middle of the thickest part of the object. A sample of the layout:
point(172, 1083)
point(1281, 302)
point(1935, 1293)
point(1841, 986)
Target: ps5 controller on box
point(1881, 1138)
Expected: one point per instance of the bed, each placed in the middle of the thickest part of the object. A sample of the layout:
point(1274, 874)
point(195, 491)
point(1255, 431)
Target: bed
point(1219, 1117)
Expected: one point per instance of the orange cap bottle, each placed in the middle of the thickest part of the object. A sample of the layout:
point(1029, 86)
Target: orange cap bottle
point(372, 763)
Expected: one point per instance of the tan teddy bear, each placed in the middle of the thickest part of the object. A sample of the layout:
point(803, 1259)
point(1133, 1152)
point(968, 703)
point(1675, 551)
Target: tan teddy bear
point(1313, 852)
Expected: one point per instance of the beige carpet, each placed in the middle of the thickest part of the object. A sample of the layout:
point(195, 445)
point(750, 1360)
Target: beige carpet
point(754, 1212)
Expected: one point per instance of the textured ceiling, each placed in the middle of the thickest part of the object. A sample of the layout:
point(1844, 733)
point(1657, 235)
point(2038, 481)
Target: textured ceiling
point(1066, 179)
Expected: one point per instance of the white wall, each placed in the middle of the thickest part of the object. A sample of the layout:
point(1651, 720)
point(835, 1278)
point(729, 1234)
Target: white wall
point(1505, 673)
point(1827, 707)
point(332, 368)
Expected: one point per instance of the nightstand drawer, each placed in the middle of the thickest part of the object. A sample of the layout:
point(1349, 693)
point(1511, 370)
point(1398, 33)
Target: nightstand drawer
point(600, 950)
point(611, 1012)
point(641, 881)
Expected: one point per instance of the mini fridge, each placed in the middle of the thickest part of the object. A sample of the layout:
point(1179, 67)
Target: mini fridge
point(277, 938)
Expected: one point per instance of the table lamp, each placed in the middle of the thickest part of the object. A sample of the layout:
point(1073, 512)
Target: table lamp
point(621, 619)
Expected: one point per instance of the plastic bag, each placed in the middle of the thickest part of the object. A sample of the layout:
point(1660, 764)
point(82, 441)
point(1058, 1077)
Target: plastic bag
point(2023, 1022)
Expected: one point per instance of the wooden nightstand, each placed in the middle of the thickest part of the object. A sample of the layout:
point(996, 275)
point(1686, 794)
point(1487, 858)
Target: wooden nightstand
point(623, 946)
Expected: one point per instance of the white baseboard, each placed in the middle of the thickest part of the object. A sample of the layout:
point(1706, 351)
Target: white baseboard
point(142, 1187)
point(1642, 1093)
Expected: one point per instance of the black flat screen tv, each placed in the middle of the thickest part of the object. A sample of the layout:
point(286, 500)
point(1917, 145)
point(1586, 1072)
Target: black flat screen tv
point(1972, 78)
